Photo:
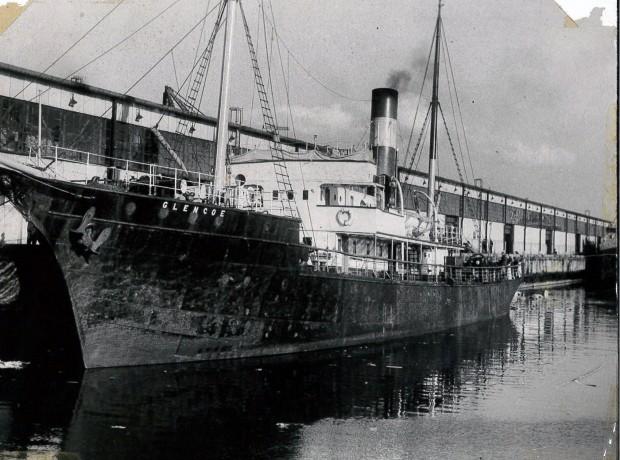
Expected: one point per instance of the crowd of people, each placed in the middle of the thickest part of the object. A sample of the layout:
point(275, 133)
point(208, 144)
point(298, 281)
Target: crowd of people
point(492, 260)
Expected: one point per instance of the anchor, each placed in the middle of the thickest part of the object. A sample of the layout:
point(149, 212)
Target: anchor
point(83, 237)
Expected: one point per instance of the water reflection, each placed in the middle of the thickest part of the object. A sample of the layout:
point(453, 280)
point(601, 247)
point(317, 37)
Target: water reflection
point(291, 407)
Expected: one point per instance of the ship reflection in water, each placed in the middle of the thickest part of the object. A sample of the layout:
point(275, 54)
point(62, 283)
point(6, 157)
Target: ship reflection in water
point(539, 384)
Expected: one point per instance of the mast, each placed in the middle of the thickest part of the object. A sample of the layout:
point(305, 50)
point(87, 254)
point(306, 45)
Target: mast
point(432, 157)
point(222, 112)
point(39, 132)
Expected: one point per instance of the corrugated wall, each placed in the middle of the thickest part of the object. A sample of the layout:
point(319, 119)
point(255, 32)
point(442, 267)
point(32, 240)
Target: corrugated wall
point(88, 133)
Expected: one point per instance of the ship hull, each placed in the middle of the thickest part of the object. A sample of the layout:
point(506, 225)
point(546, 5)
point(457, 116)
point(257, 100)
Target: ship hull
point(178, 281)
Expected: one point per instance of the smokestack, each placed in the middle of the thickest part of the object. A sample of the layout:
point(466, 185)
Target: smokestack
point(383, 129)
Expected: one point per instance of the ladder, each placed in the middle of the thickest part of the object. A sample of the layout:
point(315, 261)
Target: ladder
point(192, 93)
point(285, 190)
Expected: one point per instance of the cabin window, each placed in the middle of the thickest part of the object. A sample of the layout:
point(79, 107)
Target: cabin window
point(452, 221)
point(305, 195)
point(240, 179)
point(290, 195)
point(307, 240)
point(275, 195)
point(340, 199)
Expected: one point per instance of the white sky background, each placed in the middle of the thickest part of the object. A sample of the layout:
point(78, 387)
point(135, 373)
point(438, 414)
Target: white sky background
point(578, 9)
point(536, 96)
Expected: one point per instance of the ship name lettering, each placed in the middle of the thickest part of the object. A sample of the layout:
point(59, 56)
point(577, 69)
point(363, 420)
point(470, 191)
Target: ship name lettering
point(195, 210)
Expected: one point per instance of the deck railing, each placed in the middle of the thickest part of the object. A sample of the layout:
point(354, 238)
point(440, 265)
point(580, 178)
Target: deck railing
point(449, 235)
point(149, 179)
point(324, 260)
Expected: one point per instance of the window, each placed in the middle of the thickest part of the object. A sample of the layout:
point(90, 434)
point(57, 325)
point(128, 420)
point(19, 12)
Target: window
point(275, 195)
point(339, 244)
point(368, 248)
point(240, 179)
point(452, 221)
point(354, 247)
point(307, 240)
point(290, 195)
point(305, 194)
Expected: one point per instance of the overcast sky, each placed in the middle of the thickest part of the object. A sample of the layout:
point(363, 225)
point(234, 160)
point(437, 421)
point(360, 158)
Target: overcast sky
point(537, 89)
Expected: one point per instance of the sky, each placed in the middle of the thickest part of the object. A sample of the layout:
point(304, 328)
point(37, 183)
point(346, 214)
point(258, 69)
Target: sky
point(578, 9)
point(536, 88)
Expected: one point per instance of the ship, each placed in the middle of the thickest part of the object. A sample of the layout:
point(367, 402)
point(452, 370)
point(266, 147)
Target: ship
point(163, 264)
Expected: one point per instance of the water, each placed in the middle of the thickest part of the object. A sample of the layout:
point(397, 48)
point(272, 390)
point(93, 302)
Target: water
point(539, 384)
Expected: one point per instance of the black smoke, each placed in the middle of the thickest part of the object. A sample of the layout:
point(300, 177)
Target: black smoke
point(399, 80)
point(409, 79)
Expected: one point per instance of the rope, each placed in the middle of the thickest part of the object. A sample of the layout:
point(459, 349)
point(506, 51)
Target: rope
point(202, 92)
point(359, 143)
point(258, 23)
point(83, 36)
point(164, 55)
point(420, 156)
point(286, 85)
point(191, 30)
point(119, 43)
point(307, 72)
point(63, 54)
point(424, 125)
point(174, 67)
point(428, 60)
point(420, 137)
point(202, 31)
point(159, 60)
point(458, 104)
point(456, 161)
point(269, 54)
point(458, 138)
point(458, 168)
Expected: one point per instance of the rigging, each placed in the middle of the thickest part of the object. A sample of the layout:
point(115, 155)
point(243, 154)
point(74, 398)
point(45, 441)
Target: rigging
point(63, 54)
point(458, 104)
point(161, 59)
point(307, 72)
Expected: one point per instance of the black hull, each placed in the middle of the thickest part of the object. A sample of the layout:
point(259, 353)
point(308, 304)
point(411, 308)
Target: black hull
point(176, 281)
